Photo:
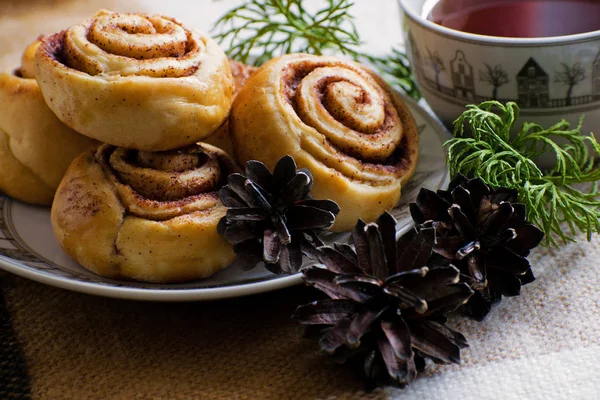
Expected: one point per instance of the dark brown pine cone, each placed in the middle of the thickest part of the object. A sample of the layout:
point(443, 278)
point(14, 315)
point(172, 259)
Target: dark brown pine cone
point(386, 308)
point(485, 234)
point(271, 217)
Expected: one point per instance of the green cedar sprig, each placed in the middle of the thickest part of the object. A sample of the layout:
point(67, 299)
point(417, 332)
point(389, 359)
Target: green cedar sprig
point(565, 195)
point(259, 30)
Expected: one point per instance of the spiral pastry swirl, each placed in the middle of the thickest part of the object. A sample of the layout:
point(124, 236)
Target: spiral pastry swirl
point(336, 118)
point(138, 81)
point(146, 216)
point(35, 147)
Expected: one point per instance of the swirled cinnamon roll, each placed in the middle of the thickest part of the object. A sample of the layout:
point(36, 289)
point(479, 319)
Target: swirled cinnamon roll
point(35, 147)
point(134, 80)
point(337, 119)
point(145, 216)
point(241, 73)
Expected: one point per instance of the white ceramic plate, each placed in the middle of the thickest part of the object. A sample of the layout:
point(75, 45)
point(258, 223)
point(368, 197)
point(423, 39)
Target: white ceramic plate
point(28, 247)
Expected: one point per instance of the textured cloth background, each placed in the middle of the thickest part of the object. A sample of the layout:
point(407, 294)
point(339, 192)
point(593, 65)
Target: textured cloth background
point(543, 345)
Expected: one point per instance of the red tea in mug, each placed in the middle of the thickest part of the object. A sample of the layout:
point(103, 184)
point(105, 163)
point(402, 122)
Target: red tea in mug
point(518, 18)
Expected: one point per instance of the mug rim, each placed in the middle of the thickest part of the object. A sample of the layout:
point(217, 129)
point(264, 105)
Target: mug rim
point(417, 17)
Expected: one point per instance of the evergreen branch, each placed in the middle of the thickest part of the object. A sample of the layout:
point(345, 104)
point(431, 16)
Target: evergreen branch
point(271, 28)
point(552, 197)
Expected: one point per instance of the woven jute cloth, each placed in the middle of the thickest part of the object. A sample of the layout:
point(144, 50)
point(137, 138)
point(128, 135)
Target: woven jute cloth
point(56, 344)
point(64, 345)
point(85, 347)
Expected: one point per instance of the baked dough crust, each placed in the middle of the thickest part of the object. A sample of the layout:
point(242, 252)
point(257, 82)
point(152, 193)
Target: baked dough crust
point(336, 118)
point(221, 138)
point(35, 147)
point(151, 217)
point(135, 80)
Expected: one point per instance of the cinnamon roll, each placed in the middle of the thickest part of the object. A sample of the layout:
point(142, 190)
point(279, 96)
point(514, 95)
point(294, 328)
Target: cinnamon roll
point(35, 147)
point(134, 80)
point(148, 216)
point(241, 73)
point(336, 118)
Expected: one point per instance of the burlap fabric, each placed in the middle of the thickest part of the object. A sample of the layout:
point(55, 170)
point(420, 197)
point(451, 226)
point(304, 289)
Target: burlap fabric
point(55, 344)
point(543, 345)
point(84, 347)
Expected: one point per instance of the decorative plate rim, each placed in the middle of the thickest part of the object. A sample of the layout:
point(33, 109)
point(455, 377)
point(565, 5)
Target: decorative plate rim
point(20, 268)
point(132, 293)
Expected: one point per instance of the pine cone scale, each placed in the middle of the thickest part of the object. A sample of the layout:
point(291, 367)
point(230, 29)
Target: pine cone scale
point(361, 246)
point(236, 184)
point(431, 206)
point(528, 237)
point(496, 221)
point(414, 249)
point(431, 342)
point(336, 336)
point(284, 171)
point(504, 282)
point(400, 371)
point(505, 259)
point(462, 223)
point(449, 298)
point(246, 214)
point(238, 232)
point(406, 298)
point(323, 280)
point(377, 252)
point(398, 335)
point(297, 188)
point(271, 246)
point(230, 198)
point(361, 324)
point(387, 226)
point(337, 261)
point(324, 312)
point(301, 217)
point(462, 198)
point(259, 173)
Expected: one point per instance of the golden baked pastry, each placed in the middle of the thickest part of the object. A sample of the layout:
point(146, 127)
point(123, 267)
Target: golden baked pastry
point(134, 80)
point(146, 216)
point(241, 73)
point(35, 147)
point(336, 118)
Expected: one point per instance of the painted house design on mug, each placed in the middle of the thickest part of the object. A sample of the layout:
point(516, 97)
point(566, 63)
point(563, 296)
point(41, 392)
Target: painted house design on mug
point(596, 78)
point(532, 81)
point(462, 77)
point(533, 85)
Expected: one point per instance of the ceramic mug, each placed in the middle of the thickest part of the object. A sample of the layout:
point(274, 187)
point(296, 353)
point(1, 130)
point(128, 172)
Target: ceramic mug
point(550, 78)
